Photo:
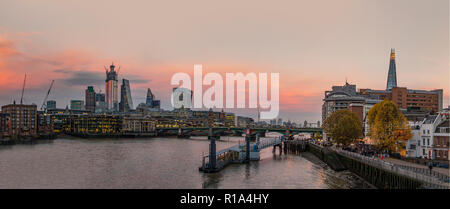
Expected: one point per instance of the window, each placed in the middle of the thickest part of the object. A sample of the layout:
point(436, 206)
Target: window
point(423, 151)
point(428, 141)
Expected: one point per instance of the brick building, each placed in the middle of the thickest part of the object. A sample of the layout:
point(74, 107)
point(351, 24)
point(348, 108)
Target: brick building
point(4, 123)
point(23, 120)
point(441, 140)
point(409, 99)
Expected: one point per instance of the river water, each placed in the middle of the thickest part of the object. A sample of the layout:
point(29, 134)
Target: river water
point(158, 163)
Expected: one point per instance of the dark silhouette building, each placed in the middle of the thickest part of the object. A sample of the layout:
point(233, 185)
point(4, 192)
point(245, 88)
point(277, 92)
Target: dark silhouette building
point(51, 104)
point(90, 99)
point(126, 102)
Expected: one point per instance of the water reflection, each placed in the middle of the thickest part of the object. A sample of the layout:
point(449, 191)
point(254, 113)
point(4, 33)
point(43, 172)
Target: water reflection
point(156, 163)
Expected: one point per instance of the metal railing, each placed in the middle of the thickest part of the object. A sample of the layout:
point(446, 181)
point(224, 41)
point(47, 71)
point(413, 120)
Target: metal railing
point(433, 179)
point(264, 143)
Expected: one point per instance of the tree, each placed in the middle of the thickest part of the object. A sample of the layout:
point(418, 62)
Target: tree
point(343, 127)
point(388, 126)
point(317, 136)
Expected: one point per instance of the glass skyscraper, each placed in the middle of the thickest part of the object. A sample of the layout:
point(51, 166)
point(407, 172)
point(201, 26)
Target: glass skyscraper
point(392, 74)
point(111, 88)
point(126, 103)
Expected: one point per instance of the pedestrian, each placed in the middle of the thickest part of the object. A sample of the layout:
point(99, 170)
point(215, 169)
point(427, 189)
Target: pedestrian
point(430, 166)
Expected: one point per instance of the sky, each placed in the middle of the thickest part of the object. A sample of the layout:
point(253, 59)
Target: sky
point(313, 45)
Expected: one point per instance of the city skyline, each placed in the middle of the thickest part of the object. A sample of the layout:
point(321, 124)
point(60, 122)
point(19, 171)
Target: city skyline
point(309, 55)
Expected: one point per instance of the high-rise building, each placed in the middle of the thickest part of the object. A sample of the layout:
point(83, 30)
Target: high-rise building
point(90, 99)
point(406, 99)
point(76, 104)
point(126, 103)
point(150, 98)
point(111, 88)
point(51, 104)
point(100, 97)
point(156, 104)
point(100, 104)
point(151, 101)
point(392, 74)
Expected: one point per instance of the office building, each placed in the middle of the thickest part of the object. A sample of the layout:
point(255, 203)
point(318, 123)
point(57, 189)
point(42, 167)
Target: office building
point(126, 102)
point(51, 104)
point(76, 104)
point(111, 88)
point(90, 99)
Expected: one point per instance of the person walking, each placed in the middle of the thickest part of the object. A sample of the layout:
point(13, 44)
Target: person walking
point(430, 166)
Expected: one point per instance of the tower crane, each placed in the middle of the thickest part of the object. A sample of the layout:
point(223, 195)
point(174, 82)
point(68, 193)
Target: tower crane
point(23, 88)
point(44, 106)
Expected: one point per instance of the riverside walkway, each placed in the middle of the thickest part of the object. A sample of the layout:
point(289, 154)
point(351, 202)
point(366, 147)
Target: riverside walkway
point(425, 169)
point(431, 180)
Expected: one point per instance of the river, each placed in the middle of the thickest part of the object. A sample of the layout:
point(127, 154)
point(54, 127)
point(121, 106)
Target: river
point(158, 163)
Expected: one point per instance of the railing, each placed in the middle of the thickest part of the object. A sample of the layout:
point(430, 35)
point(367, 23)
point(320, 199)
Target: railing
point(222, 159)
point(264, 143)
point(433, 179)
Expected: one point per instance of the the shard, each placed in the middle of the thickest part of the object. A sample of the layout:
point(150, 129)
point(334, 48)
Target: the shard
point(392, 74)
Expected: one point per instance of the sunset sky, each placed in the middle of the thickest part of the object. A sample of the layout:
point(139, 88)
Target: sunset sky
point(312, 44)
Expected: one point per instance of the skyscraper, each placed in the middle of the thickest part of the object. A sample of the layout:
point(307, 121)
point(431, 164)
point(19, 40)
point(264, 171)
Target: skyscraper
point(111, 88)
point(126, 103)
point(392, 74)
point(90, 99)
point(151, 101)
point(76, 104)
point(100, 104)
point(100, 97)
point(150, 97)
point(51, 104)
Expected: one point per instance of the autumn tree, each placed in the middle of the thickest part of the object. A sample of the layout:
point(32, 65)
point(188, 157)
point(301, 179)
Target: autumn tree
point(317, 136)
point(388, 126)
point(343, 127)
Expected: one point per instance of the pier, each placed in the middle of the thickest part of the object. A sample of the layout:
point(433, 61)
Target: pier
point(240, 153)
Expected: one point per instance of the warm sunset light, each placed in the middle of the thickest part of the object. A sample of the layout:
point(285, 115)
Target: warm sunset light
point(225, 103)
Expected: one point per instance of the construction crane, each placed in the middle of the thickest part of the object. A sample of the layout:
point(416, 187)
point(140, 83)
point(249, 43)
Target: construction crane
point(44, 106)
point(23, 88)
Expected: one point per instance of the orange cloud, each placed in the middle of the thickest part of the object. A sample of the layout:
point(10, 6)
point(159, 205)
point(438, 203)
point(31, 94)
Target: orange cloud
point(74, 69)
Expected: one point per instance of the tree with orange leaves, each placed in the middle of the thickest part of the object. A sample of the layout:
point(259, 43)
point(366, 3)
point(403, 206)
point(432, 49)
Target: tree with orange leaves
point(388, 126)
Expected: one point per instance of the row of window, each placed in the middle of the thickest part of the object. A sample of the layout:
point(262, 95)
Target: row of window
point(425, 144)
point(439, 153)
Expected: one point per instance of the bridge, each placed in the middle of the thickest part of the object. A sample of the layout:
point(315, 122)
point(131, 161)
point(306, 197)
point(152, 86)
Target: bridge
point(186, 132)
point(240, 153)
